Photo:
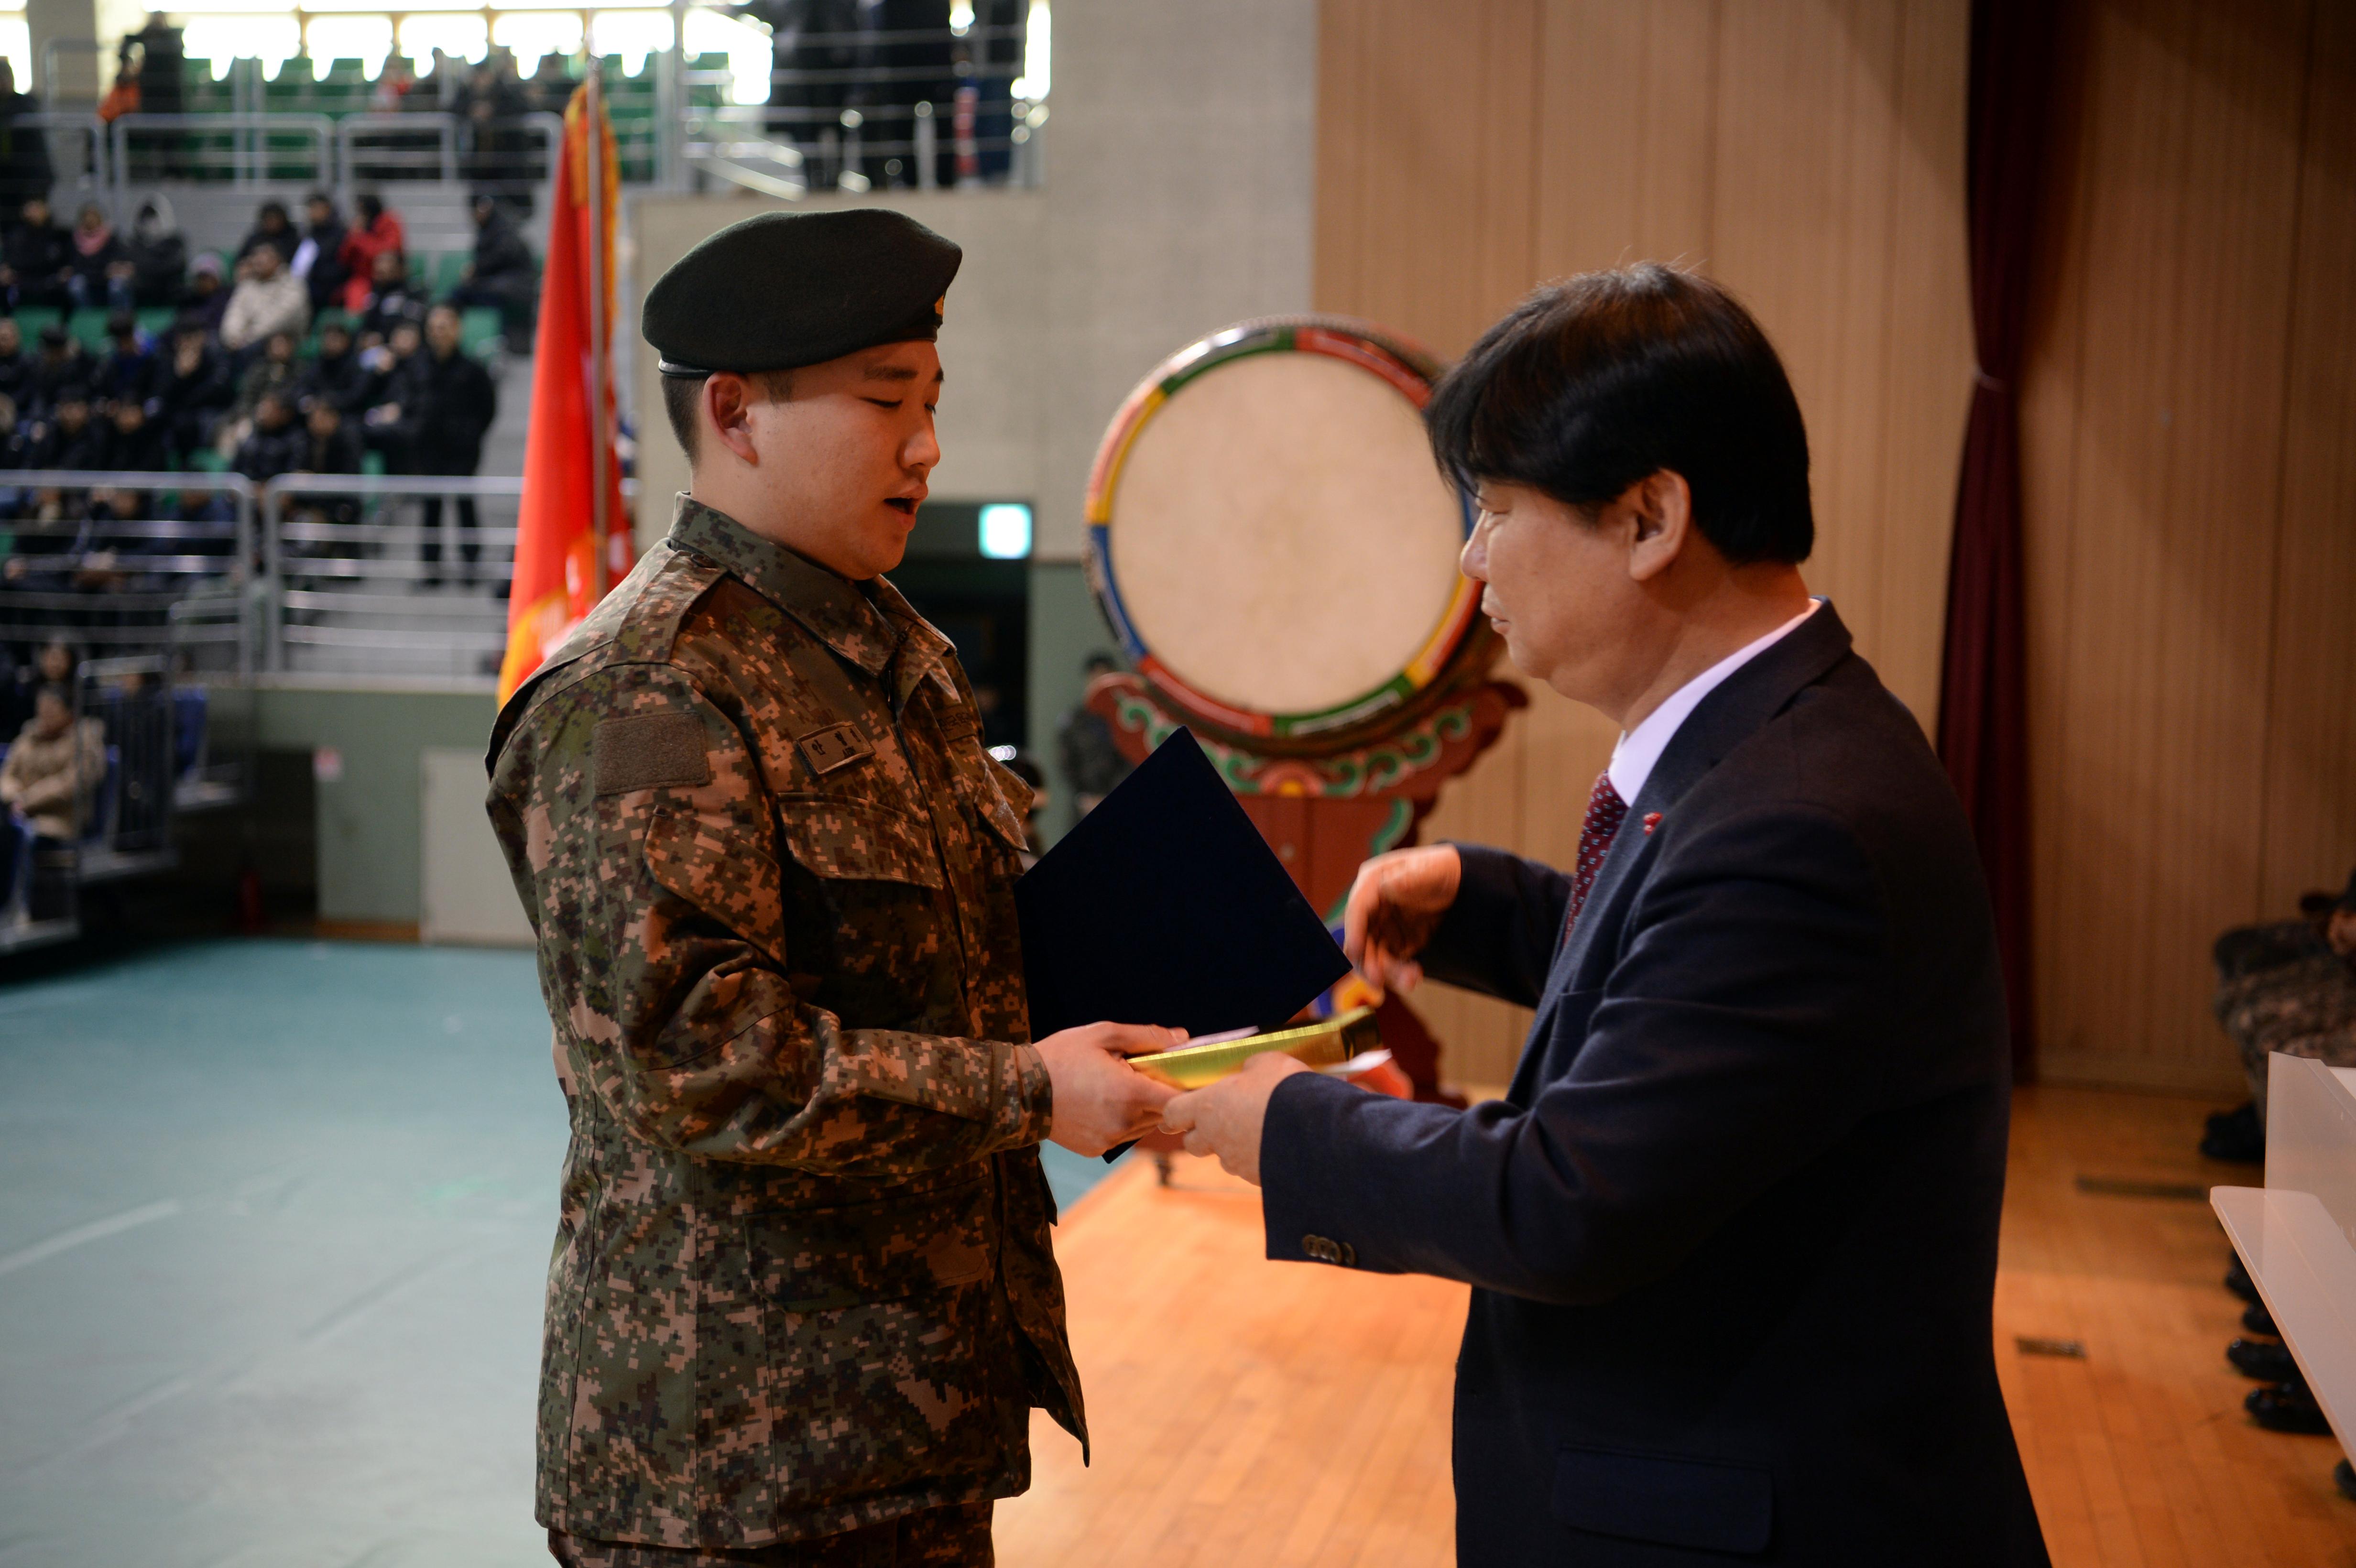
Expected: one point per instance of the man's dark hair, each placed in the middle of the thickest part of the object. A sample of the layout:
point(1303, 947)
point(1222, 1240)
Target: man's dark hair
point(1598, 382)
point(682, 393)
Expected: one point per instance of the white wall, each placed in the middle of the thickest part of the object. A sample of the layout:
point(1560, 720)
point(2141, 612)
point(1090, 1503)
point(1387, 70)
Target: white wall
point(1177, 200)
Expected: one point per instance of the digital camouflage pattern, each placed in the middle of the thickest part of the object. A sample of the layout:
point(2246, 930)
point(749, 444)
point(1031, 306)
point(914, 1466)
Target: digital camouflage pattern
point(802, 1282)
point(2281, 989)
point(957, 1536)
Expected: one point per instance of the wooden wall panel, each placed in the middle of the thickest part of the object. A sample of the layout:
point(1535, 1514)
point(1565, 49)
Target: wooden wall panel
point(2181, 523)
point(2310, 756)
point(1808, 155)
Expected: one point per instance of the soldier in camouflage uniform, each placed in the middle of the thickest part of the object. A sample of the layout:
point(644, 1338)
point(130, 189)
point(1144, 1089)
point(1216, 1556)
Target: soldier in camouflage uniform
point(802, 1300)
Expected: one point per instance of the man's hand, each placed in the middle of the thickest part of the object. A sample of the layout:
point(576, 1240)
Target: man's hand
point(1394, 905)
point(1099, 1099)
point(1225, 1118)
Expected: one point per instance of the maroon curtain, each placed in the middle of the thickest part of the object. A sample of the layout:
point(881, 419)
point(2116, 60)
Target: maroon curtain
point(1983, 688)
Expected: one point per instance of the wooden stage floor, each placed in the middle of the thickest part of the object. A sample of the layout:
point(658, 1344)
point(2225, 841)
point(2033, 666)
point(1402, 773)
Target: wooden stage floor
point(1288, 1414)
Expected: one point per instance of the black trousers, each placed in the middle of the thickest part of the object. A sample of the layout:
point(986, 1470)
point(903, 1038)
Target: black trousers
point(470, 548)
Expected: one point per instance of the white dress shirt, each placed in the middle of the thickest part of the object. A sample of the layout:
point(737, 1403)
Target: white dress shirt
point(1639, 748)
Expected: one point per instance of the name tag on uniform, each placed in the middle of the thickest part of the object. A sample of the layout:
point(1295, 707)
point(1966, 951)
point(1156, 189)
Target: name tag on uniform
point(836, 746)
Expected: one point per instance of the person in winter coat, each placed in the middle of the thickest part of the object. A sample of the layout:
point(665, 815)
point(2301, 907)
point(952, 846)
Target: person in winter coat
point(319, 259)
point(38, 259)
point(192, 388)
point(268, 300)
point(271, 227)
point(502, 274)
point(275, 446)
point(90, 279)
point(20, 380)
point(374, 231)
point(155, 260)
point(125, 373)
point(53, 765)
point(447, 401)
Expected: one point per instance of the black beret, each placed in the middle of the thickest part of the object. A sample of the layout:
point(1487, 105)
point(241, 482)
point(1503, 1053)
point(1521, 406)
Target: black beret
point(787, 288)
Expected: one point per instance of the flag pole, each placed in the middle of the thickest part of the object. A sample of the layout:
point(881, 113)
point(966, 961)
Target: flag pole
point(594, 142)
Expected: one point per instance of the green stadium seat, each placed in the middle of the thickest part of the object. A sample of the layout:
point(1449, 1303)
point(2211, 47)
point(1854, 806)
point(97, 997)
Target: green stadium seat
point(345, 68)
point(479, 330)
point(205, 460)
point(89, 325)
point(372, 464)
point(32, 319)
point(448, 268)
point(157, 320)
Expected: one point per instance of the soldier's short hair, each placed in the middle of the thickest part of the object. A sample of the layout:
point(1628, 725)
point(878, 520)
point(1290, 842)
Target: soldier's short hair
point(683, 393)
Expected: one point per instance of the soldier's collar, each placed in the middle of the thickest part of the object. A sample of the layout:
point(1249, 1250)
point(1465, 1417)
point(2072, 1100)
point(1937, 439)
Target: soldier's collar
point(829, 603)
point(923, 650)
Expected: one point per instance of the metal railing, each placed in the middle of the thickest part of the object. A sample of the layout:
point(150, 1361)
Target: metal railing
point(102, 571)
point(856, 110)
point(246, 148)
point(327, 576)
point(402, 575)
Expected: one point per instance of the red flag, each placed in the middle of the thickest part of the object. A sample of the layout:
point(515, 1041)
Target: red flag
point(556, 578)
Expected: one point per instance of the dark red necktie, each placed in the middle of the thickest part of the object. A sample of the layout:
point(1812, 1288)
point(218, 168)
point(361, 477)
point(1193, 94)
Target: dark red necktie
point(1605, 812)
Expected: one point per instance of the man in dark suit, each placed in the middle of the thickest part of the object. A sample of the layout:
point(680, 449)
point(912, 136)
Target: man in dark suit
point(1733, 1230)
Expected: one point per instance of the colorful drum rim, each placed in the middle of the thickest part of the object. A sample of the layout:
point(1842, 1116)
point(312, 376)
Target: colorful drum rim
point(1409, 370)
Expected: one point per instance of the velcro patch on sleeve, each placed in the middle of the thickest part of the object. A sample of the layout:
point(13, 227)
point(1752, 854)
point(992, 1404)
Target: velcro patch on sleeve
point(836, 746)
point(649, 751)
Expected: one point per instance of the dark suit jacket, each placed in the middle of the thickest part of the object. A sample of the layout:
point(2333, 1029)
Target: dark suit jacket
point(1733, 1230)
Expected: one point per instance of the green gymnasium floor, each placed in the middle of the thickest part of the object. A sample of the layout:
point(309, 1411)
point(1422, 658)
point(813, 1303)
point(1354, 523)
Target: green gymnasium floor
point(273, 1223)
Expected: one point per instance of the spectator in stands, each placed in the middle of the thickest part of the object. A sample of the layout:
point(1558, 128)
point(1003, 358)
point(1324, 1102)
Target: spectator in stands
point(40, 260)
point(552, 85)
point(268, 299)
point(192, 388)
point(319, 259)
point(330, 447)
point(90, 279)
point(154, 261)
point(1091, 759)
point(19, 371)
point(334, 374)
point(208, 295)
point(63, 367)
point(276, 445)
point(25, 170)
point(447, 403)
point(12, 438)
point(162, 58)
point(496, 104)
point(66, 437)
point(382, 367)
point(53, 766)
point(393, 81)
point(273, 228)
point(134, 446)
point(373, 232)
point(501, 274)
point(272, 374)
point(392, 299)
point(126, 371)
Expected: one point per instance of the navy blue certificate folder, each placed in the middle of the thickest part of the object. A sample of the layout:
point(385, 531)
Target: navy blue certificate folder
point(1165, 906)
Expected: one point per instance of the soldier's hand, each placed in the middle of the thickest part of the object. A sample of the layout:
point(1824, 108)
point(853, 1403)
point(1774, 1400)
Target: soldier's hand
point(1099, 1099)
point(1394, 905)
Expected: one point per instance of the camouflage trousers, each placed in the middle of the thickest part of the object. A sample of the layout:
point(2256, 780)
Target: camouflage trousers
point(2281, 987)
point(955, 1536)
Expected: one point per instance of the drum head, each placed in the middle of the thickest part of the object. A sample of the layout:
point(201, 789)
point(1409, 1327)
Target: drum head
point(1269, 535)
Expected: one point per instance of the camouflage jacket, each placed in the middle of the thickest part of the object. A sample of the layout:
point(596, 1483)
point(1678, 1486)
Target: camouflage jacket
point(802, 1282)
